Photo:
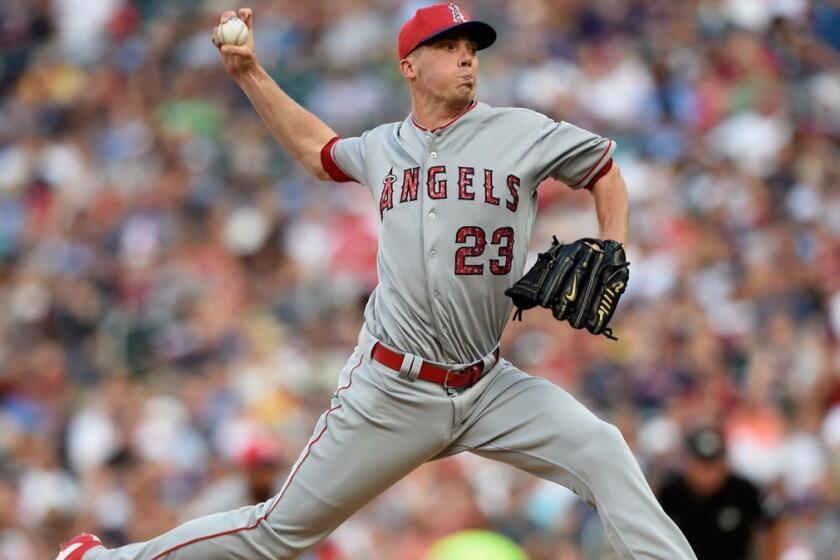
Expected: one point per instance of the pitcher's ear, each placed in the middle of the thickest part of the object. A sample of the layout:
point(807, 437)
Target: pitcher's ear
point(408, 66)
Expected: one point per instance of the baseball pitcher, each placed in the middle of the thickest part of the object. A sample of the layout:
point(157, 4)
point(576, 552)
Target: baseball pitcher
point(455, 186)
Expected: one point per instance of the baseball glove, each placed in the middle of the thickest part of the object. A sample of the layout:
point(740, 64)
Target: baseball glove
point(580, 282)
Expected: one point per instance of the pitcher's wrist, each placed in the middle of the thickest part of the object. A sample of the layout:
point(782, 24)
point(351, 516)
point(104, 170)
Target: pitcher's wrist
point(251, 77)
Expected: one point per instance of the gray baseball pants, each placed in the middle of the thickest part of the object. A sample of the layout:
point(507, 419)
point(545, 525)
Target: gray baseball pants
point(381, 426)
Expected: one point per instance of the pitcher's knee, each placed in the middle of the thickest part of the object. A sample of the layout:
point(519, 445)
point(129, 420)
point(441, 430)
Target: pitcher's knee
point(295, 530)
point(605, 447)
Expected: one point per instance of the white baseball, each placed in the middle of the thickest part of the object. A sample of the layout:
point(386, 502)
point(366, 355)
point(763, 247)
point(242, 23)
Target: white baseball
point(233, 32)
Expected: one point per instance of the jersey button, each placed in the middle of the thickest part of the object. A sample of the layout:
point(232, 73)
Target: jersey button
point(432, 253)
point(432, 215)
point(433, 155)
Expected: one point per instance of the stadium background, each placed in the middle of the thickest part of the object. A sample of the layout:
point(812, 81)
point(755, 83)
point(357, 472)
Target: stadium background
point(177, 297)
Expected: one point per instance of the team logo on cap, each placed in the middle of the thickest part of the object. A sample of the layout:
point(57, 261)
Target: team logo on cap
point(457, 15)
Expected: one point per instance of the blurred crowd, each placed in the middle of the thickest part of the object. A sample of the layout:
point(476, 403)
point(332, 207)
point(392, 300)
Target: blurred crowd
point(177, 296)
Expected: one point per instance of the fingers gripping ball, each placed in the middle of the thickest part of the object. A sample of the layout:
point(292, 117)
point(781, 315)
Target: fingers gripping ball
point(233, 32)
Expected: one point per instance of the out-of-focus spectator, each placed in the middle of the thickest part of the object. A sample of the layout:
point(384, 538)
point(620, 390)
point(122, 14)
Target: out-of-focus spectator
point(720, 513)
point(172, 285)
point(256, 479)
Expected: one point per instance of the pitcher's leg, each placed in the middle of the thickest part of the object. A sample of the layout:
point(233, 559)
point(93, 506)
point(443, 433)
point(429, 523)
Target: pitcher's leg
point(362, 445)
point(532, 424)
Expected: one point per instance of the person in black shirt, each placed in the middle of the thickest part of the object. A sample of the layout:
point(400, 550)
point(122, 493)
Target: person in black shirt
point(720, 513)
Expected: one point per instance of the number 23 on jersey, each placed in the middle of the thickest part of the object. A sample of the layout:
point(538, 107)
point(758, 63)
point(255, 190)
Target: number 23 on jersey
point(474, 241)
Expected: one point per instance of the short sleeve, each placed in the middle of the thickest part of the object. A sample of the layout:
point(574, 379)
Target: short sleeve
point(344, 159)
point(571, 154)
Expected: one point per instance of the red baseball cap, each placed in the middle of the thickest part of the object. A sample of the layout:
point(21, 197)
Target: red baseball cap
point(260, 452)
point(433, 21)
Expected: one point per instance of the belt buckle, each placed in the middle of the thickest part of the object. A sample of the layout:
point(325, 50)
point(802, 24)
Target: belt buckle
point(474, 371)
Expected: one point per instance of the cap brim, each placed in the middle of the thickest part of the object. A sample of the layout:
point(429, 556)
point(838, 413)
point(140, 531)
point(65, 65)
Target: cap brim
point(482, 33)
point(706, 457)
point(706, 445)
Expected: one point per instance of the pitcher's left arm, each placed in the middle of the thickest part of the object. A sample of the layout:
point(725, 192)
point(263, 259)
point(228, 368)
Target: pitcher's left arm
point(612, 205)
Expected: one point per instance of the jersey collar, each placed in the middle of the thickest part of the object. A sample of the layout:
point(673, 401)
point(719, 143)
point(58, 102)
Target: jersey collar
point(469, 108)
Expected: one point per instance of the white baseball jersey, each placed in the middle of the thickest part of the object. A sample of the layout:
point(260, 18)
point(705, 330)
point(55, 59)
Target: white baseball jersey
point(457, 207)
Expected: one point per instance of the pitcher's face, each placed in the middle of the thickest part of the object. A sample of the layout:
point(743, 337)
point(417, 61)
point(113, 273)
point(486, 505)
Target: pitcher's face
point(446, 69)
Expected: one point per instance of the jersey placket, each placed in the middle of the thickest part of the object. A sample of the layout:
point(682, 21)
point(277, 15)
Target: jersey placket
point(430, 234)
